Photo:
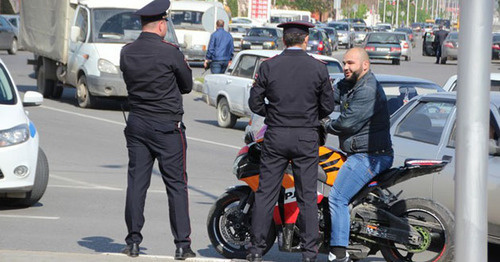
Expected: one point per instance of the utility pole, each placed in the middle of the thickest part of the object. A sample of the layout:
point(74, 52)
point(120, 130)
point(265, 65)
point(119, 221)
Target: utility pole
point(407, 13)
point(416, 10)
point(385, 6)
point(432, 10)
point(397, 13)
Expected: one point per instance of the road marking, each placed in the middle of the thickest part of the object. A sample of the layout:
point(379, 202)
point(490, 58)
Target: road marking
point(85, 184)
point(122, 124)
point(31, 217)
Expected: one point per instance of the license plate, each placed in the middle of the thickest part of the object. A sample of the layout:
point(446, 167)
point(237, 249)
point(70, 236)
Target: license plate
point(383, 49)
point(256, 47)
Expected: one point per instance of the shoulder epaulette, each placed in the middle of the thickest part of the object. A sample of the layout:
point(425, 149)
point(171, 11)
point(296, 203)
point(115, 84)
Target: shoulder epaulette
point(174, 45)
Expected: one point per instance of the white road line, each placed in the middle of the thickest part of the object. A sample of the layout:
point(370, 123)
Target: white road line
point(31, 217)
point(122, 124)
point(85, 183)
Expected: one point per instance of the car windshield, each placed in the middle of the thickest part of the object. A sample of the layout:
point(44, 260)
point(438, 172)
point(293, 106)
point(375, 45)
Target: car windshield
point(333, 67)
point(262, 32)
point(359, 28)
point(341, 27)
point(401, 37)
point(453, 36)
point(115, 26)
point(7, 93)
point(314, 35)
point(383, 38)
point(185, 19)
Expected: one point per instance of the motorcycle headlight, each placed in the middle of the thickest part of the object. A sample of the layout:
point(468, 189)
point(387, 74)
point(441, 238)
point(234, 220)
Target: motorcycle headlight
point(268, 45)
point(15, 135)
point(106, 67)
point(236, 164)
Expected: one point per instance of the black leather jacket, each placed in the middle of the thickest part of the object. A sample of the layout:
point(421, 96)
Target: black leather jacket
point(363, 124)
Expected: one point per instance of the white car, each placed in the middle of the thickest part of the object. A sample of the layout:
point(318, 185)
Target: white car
point(451, 83)
point(24, 170)
point(229, 92)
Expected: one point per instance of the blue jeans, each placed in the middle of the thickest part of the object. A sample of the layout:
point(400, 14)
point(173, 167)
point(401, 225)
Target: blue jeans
point(358, 170)
point(218, 67)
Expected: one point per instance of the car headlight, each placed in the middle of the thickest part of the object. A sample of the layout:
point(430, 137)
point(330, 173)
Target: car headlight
point(268, 45)
point(342, 35)
point(15, 135)
point(106, 67)
point(246, 43)
point(199, 47)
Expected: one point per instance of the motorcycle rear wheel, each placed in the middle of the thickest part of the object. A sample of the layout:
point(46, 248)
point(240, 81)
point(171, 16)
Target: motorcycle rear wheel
point(229, 229)
point(437, 247)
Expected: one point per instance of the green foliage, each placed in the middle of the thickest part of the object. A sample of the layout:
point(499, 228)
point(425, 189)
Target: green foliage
point(233, 6)
point(307, 5)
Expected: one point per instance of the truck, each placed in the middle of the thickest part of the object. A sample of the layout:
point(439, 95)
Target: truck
point(77, 43)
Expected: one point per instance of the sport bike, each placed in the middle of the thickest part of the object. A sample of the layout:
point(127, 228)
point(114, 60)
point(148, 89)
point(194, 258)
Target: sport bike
point(413, 229)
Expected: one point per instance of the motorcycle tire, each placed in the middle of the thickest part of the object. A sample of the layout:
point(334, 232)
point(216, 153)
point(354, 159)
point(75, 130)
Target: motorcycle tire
point(436, 246)
point(230, 237)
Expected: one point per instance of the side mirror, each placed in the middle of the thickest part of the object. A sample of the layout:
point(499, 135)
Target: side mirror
point(75, 33)
point(32, 98)
point(182, 45)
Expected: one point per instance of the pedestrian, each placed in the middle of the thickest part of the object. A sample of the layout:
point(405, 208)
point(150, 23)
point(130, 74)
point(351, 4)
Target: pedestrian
point(363, 131)
point(439, 37)
point(156, 76)
point(220, 49)
point(299, 92)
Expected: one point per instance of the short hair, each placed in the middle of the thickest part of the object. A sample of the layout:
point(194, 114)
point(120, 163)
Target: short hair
point(291, 39)
point(220, 23)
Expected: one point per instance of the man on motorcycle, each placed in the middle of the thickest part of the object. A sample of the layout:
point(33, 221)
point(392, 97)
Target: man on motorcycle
point(363, 131)
point(299, 92)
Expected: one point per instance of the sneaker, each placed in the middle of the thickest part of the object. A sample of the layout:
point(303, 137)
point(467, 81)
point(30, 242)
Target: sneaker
point(333, 258)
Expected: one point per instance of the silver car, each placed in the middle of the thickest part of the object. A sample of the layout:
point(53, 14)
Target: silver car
point(345, 33)
point(426, 128)
point(449, 49)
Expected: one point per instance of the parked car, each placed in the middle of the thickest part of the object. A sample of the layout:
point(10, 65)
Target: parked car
point(449, 49)
point(319, 43)
point(384, 46)
point(263, 38)
point(360, 32)
point(426, 128)
point(344, 33)
point(245, 21)
point(332, 35)
point(495, 47)
point(238, 31)
point(383, 27)
point(8, 37)
point(427, 44)
point(229, 92)
point(24, 171)
point(451, 83)
point(417, 27)
point(409, 32)
point(405, 43)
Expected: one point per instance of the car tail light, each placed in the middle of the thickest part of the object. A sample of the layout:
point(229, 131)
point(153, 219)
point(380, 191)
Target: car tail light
point(405, 45)
point(411, 37)
point(321, 46)
point(448, 44)
point(496, 47)
point(369, 48)
point(394, 49)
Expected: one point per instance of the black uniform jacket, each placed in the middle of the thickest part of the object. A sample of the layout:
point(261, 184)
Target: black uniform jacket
point(297, 87)
point(156, 75)
point(363, 124)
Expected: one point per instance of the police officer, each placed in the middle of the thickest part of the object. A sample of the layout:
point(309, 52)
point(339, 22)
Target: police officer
point(299, 92)
point(156, 75)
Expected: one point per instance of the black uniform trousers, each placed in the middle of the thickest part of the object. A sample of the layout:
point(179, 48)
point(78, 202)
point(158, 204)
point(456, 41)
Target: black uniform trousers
point(282, 144)
point(147, 140)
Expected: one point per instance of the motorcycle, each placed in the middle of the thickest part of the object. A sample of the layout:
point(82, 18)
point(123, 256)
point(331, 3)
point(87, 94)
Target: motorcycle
point(413, 229)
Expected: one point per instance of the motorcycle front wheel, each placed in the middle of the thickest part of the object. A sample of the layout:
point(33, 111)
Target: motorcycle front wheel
point(229, 227)
point(437, 239)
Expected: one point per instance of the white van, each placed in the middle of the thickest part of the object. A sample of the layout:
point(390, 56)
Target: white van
point(282, 16)
point(194, 21)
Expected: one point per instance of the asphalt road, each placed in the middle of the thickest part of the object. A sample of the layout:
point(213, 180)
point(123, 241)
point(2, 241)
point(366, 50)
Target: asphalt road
point(82, 210)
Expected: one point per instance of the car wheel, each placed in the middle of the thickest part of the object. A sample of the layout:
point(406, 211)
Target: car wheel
point(39, 186)
point(224, 116)
point(407, 58)
point(396, 61)
point(43, 85)
point(443, 60)
point(13, 47)
point(58, 90)
point(85, 99)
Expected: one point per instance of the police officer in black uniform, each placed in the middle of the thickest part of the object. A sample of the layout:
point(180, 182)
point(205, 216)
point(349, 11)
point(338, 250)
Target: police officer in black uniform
point(299, 92)
point(156, 75)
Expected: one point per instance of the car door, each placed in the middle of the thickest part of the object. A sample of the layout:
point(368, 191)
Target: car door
point(5, 34)
point(239, 82)
point(444, 184)
point(75, 58)
point(419, 132)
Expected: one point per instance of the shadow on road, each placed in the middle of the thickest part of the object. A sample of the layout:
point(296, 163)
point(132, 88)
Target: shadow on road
point(240, 125)
point(102, 244)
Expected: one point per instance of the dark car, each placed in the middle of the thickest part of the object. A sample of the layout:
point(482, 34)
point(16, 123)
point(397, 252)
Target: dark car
point(495, 48)
point(383, 45)
point(409, 32)
point(332, 35)
point(263, 38)
point(427, 44)
point(319, 43)
point(8, 39)
point(449, 50)
point(417, 27)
